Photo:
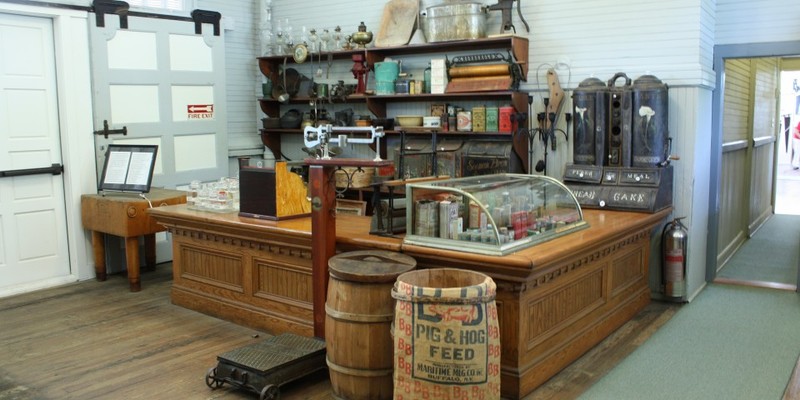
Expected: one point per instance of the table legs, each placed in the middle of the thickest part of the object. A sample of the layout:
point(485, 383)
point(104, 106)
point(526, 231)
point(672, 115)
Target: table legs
point(132, 259)
point(99, 250)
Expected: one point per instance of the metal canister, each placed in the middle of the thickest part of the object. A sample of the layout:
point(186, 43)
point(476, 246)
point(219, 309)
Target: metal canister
point(504, 120)
point(464, 121)
point(479, 119)
point(590, 108)
point(650, 133)
point(401, 86)
point(492, 115)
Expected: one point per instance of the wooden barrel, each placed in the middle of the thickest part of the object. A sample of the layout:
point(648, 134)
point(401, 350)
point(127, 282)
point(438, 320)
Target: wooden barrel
point(446, 335)
point(359, 313)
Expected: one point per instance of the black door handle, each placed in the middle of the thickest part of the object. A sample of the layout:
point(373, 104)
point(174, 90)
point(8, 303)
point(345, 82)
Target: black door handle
point(55, 169)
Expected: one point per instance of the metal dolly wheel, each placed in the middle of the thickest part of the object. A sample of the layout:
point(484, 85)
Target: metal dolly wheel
point(263, 367)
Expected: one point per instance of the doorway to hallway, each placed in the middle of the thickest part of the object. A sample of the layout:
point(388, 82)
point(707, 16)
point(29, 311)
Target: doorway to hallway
point(770, 254)
point(787, 185)
point(787, 178)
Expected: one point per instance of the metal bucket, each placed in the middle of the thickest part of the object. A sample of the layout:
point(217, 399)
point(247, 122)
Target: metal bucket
point(454, 20)
point(384, 87)
point(590, 108)
point(387, 70)
point(650, 134)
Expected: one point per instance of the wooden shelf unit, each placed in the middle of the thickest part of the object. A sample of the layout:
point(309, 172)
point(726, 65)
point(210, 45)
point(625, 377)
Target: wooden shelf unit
point(377, 104)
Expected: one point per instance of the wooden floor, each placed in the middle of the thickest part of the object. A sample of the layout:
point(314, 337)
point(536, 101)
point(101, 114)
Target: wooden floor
point(96, 340)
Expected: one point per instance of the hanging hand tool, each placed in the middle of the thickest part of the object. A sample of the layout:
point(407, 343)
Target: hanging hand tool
point(553, 108)
point(541, 165)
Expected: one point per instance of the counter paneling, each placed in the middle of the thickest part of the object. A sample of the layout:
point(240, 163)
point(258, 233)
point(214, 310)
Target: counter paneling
point(556, 300)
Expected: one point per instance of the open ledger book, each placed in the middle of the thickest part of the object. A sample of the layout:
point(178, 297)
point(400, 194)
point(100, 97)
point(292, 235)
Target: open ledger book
point(128, 168)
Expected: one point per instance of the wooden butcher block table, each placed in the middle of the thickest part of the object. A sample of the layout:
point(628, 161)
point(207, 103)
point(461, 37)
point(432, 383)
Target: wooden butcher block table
point(125, 215)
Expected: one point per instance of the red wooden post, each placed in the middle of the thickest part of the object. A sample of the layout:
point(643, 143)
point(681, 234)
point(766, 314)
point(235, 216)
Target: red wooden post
point(323, 225)
point(323, 239)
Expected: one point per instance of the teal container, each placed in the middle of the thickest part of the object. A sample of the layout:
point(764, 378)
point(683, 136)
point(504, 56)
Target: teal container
point(386, 71)
point(384, 87)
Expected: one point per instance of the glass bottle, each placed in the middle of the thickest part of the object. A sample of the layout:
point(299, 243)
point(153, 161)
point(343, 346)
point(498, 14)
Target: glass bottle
point(233, 190)
point(325, 39)
point(427, 79)
point(287, 35)
point(191, 198)
point(337, 38)
point(266, 42)
point(313, 41)
point(280, 44)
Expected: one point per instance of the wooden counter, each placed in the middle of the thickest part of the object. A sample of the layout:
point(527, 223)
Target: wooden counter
point(560, 298)
point(556, 300)
point(250, 271)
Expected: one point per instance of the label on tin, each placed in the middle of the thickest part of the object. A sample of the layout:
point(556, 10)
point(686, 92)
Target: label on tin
point(491, 119)
point(464, 123)
point(479, 119)
point(504, 120)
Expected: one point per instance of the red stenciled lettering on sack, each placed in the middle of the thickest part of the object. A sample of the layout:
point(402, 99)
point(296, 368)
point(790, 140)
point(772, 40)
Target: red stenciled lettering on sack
point(403, 347)
point(404, 326)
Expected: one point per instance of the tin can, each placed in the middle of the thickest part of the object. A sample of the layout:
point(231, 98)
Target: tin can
point(479, 119)
point(504, 120)
point(401, 87)
point(464, 121)
point(412, 87)
point(432, 122)
point(491, 119)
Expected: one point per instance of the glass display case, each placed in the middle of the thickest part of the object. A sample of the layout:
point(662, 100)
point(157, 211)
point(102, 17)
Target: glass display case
point(490, 214)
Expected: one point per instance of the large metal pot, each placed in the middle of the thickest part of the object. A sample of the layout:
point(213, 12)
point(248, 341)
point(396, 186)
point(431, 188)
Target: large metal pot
point(454, 20)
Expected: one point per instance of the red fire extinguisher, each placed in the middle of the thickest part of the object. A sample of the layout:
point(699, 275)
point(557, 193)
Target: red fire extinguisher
point(674, 239)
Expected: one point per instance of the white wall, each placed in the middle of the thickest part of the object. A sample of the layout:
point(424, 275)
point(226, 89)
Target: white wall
point(242, 79)
point(757, 21)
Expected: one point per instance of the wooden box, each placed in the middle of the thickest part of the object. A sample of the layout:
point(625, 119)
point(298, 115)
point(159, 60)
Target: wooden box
point(272, 193)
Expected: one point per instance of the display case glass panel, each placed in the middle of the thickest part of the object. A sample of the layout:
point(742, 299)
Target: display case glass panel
point(490, 214)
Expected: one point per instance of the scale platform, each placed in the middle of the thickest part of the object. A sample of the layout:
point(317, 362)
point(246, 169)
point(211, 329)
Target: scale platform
point(263, 367)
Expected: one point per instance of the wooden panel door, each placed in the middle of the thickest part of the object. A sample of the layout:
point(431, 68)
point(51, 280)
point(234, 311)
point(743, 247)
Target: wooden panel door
point(33, 234)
